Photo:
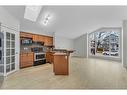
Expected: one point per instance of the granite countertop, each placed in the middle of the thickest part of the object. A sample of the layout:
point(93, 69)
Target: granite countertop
point(60, 54)
point(52, 51)
point(64, 50)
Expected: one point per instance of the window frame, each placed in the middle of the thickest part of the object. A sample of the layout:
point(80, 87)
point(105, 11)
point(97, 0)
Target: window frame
point(119, 29)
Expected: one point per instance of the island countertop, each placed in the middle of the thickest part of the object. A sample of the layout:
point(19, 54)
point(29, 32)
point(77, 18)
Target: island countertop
point(67, 51)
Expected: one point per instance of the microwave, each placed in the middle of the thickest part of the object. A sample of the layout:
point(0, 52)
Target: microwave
point(26, 41)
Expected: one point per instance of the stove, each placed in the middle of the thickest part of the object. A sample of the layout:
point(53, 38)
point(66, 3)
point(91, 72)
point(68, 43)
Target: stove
point(39, 58)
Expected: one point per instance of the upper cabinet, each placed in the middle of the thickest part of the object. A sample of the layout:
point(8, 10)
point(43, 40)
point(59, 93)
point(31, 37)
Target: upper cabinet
point(48, 41)
point(41, 38)
point(27, 35)
point(35, 37)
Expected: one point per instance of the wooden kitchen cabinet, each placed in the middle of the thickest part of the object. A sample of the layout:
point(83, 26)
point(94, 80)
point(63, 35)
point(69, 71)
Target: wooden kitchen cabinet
point(35, 37)
point(49, 57)
point(49, 41)
point(26, 59)
point(41, 38)
point(26, 35)
point(61, 64)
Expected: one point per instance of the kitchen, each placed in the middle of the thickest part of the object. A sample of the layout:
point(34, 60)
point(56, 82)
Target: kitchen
point(36, 48)
point(39, 49)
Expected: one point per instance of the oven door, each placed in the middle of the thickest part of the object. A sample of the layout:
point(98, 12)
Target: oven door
point(39, 56)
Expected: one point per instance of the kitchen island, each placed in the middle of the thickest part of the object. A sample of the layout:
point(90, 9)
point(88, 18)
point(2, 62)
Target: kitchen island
point(61, 61)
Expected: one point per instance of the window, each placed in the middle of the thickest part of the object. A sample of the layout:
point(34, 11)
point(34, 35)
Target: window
point(105, 42)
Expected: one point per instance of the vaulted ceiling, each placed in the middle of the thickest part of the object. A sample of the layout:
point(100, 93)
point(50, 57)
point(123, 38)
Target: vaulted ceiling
point(72, 21)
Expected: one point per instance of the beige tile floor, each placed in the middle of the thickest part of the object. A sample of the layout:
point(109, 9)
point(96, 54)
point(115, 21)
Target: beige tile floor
point(84, 74)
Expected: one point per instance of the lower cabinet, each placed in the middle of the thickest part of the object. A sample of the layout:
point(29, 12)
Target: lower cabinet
point(49, 57)
point(26, 60)
point(61, 64)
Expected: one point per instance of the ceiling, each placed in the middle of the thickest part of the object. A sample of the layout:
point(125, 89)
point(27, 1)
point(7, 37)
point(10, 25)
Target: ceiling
point(73, 21)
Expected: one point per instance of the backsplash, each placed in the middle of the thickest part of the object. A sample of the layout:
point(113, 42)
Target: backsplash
point(27, 48)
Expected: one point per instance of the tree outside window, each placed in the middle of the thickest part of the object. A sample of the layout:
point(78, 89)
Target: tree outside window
point(104, 42)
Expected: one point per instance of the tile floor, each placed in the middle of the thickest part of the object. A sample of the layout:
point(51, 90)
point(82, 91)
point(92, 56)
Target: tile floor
point(84, 74)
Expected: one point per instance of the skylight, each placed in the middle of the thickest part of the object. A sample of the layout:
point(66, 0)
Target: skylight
point(32, 12)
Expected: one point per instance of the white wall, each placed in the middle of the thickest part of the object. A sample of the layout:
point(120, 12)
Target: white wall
point(80, 45)
point(8, 20)
point(124, 43)
point(26, 26)
point(63, 43)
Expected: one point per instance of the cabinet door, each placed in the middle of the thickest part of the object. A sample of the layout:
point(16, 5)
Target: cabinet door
point(46, 41)
point(28, 35)
point(49, 41)
point(47, 57)
point(30, 57)
point(22, 61)
point(35, 38)
point(41, 38)
point(26, 60)
point(61, 65)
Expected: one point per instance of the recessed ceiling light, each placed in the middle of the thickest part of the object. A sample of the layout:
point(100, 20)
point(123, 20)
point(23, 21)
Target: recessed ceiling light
point(45, 22)
point(32, 12)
